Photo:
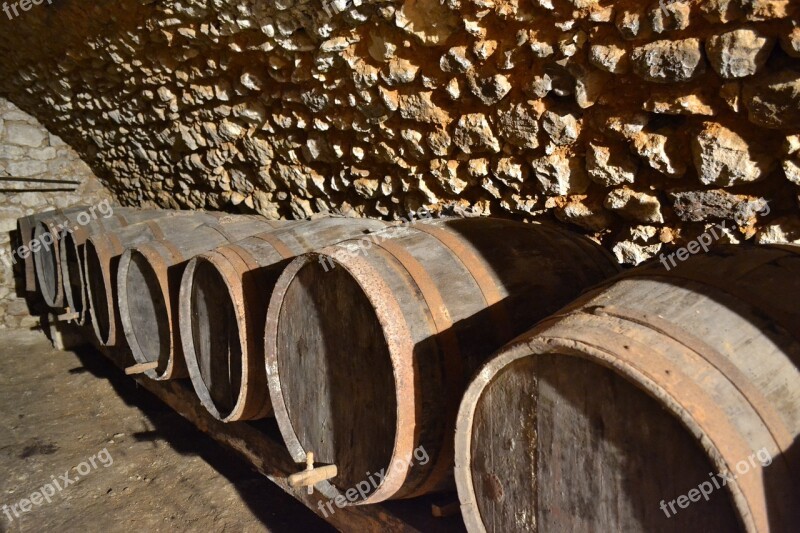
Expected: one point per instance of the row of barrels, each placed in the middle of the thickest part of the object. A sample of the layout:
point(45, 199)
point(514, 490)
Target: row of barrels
point(376, 345)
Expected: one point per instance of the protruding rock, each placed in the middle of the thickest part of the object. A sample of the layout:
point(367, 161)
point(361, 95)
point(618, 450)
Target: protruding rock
point(583, 213)
point(610, 57)
point(400, 71)
point(478, 168)
point(366, 187)
point(634, 205)
point(420, 107)
point(518, 126)
point(679, 103)
point(791, 167)
point(453, 89)
point(559, 175)
point(699, 206)
point(489, 90)
point(739, 53)
point(610, 167)
point(669, 61)
point(722, 10)
point(724, 158)
point(637, 244)
point(439, 142)
point(785, 230)
point(473, 135)
point(563, 129)
point(430, 21)
point(455, 60)
point(774, 101)
point(590, 85)
point(631, 24)
point(663, 153)
point(790, 42)
point(510, 171)
point(669, 16)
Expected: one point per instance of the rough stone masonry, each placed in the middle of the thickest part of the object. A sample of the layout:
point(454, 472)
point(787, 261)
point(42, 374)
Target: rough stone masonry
point(641, 123)
point(38, 172)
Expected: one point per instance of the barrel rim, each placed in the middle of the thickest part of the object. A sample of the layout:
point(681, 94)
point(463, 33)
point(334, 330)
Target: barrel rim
point(54, 298)
point(159, 269)
point(102, 257)
point(231, 278)
point(536, 345)
point(25, 227)
point(389, 314)
point(68, 238)
point(105, 247)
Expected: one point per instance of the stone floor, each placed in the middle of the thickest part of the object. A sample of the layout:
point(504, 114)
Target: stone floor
point(139, 465)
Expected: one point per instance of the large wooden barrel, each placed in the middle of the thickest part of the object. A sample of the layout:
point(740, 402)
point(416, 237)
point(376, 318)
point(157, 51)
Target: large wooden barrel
point(223, 304)
point(83, 222)
point(101, 258)
point(148, 285)
point(369, 344)
point(667, 400)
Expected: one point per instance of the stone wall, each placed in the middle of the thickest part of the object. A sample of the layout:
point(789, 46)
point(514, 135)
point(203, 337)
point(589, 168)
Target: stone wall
point(38, 172)
point(641, 123)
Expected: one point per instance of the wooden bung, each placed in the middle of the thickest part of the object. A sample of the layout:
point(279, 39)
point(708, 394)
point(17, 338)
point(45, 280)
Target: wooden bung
point(311, 476)
point(140, 368)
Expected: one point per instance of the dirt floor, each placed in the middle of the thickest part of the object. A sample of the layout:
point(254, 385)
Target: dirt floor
point(114, 457)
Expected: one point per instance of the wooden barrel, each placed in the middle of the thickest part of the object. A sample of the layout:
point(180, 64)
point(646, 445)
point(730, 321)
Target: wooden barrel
point(148, 284)
point(223, 304)
point(83, 223)
point(101, 258)
point(25, 229)
point(369, 344)
point(667, 400)
point(71, 246)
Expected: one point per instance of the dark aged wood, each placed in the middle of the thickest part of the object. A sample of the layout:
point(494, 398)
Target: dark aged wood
point(27, 227)
point(102, 255)
point(223, 304)
point(48, 260)
point(148, 284)
point(259, 443)
point(368, 353)
point(633, 394)
point(567, 445)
